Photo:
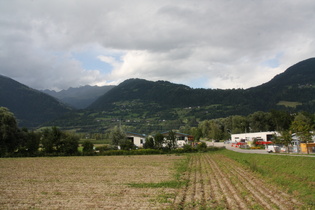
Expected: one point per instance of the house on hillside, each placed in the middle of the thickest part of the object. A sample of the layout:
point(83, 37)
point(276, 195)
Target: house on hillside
point(136, 138)
point(180, 138)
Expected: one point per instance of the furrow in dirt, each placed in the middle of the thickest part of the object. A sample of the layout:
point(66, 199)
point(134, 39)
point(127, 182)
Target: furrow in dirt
point(201, 183)
point(268, 192)
point(231, 188)
point(213, 194)
point(198, 184)
point(258, 186)
point(273, 192)
point(181, 197)
point(215, 181)
point(280, 195)
point(256, 195)
point(191, 189)
point(231, 203)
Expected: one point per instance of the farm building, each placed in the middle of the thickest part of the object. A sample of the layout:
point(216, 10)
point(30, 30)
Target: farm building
point(136, 138)
point(249, 137)
point(181, 138)
point(296, 146)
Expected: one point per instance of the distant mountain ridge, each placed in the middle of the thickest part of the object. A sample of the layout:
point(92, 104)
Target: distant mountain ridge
point(30, 106)
point(80, 97)
point(296, 84)
point(139, 99)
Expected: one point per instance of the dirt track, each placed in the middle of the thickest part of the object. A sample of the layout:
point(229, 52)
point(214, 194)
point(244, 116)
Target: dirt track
point(215, 181)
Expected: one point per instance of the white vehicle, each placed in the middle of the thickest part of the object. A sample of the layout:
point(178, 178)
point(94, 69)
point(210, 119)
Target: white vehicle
point(272, 148)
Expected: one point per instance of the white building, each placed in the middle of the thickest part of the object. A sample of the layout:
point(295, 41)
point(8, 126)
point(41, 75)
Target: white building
point(136, 138)
point(181, 139)
point(249, 137)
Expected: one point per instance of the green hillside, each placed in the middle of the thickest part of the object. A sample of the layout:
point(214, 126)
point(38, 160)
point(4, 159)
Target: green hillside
point(31, 107)
point(162, 105)
point(296, 84)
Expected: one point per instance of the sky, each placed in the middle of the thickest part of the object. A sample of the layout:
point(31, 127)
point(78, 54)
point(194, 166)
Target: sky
point(200, 43)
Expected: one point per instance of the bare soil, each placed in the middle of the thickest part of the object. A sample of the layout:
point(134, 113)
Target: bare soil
point(85, 182)
point(213, 182)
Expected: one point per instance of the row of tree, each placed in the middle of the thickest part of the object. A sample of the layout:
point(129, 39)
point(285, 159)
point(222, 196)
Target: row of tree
point(301, 123)
point(53, 141)
point(21, 142)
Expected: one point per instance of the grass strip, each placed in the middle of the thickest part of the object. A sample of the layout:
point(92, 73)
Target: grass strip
point(180, 167)
point(294, 174)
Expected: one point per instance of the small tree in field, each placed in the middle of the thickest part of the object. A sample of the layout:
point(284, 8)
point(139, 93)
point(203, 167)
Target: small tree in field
point(149, 143)
point(159, 140)
point(171, 140)
point(286, 138)
point(88, 148)
point(117, 135)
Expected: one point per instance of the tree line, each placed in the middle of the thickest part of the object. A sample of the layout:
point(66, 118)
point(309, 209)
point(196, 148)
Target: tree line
point(15, 141)
point(301, 123)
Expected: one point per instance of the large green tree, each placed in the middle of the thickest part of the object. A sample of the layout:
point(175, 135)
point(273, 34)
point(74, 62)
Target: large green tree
point(29, 142)
point(55, 141)
point(51, 140)
point(69, 144)
point(302, 125)
point(260, 121)
point(281, 120)
point(240, 124)
point(9, 141)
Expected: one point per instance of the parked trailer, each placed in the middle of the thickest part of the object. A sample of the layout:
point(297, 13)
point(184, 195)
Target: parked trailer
point(272, 148)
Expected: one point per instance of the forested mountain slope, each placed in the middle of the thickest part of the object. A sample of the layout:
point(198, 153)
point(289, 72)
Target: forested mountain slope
point(165, 94)
point(80, 97)
point(31, 107)
point(296, 85)
point(139, 99)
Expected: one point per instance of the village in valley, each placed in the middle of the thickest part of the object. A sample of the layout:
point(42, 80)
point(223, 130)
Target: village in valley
point(250, 141)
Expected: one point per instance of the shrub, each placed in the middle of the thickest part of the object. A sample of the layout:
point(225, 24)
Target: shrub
point(88, 148)
point(202, 147)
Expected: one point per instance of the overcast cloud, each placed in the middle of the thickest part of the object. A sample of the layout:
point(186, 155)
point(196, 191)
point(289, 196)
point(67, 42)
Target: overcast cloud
point(203, 44)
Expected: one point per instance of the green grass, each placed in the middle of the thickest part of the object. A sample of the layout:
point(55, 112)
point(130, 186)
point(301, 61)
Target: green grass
point(94, 141)
point(289, 103)
point(294, 174)
point(166, 184)
point(180, 167)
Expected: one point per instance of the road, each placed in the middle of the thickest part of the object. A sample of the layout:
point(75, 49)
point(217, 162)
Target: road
point(229, 147)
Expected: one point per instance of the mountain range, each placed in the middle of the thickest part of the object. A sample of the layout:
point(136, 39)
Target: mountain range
point(81, 97)
point(295, 85)
point(31, 107)
point(136, 100)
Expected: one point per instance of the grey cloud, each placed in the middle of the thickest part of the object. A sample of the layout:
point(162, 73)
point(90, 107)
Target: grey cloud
point(224, 41)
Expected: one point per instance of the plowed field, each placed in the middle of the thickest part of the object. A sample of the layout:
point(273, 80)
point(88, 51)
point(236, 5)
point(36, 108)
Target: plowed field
point(212, 181)
point(217, 182)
